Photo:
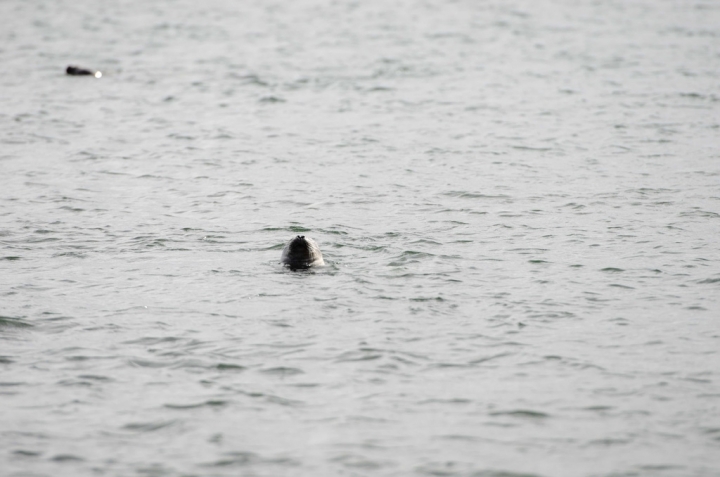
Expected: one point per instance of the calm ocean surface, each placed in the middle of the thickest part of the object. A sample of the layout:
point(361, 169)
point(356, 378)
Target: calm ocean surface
point(518, 203)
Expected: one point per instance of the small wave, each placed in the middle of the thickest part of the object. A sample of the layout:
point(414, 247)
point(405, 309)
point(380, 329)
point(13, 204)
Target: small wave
point(95, 377)
point(233, 459)
point(213, 403)
point(461, 401)
point(474, 195)
point(274, 399)
point(229, 367)
point(457, 469)
point(485, 359)
point(608, 442)
point(271, 99)
point(10, 322)
point(358, 462)
point(282, 371)
point(149, 426)
point(66, 458)
point(243, 459)
point(27, 453)
point(523, 413)
point(359, 355)
point(144, 363)
point(535, 149)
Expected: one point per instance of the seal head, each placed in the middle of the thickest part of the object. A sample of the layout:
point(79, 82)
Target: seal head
point(301, 253)
point(77, 71)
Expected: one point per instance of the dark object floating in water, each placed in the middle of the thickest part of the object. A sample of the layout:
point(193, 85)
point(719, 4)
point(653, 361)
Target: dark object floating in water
point(301, 253)
point(77, 71)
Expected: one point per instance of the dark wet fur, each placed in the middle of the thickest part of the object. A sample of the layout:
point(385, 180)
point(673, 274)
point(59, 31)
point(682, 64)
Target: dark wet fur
point(77, 71)
point(300, 254)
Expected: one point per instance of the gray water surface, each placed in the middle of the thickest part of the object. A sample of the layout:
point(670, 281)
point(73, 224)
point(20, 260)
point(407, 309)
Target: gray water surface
point(518, 203)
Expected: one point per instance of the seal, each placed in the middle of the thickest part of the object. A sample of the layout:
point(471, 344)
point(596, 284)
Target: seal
point(77, 71)
point(301, 253)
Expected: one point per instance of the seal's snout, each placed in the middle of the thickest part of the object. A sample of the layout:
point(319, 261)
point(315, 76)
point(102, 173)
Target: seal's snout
point(301, 253)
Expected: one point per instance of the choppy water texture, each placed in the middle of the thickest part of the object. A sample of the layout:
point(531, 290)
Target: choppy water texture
point(518, 202)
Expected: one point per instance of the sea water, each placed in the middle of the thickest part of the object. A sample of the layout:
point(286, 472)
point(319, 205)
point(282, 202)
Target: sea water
point(518, 203)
